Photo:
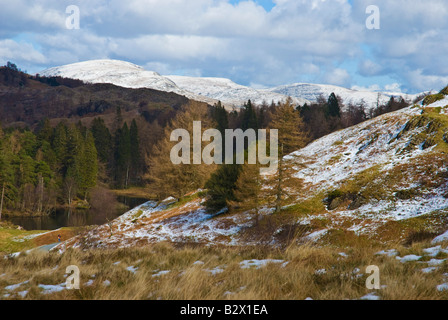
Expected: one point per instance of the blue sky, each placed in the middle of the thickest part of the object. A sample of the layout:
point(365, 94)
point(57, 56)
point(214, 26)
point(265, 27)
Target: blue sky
point(260, 43)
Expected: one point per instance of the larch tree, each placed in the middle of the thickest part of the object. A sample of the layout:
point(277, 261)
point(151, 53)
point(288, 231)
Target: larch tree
point(292, 136)
point(169, 179)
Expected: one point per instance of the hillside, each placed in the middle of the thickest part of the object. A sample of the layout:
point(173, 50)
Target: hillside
point(29, 100)
point(210, 90)
point(229, 92)
point(383, 180)
point(312, 92)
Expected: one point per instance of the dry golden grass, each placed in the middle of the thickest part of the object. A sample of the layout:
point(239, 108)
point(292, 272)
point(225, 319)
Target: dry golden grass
point(189, 279)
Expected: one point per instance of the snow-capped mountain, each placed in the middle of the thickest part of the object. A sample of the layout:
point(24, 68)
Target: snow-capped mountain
point(120, 73)
point(229, 92)
point(210, 90)
point(312, 92)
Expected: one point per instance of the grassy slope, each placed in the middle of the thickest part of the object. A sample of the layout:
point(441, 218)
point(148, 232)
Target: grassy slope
point(15, 240)
point(188, 279)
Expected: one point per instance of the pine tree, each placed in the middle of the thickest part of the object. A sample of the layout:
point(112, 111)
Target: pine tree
point(46, 132)
point(122, 155)
point(248, 190)
point(59, 145)
point(221, 186)
point(135, 161)
point(87, 165)
point(103, 140)
point(250, 120)
point(6, 174)
point(333, 107)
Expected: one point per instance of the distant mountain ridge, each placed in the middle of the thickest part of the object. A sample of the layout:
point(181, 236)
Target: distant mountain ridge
point(211, 90)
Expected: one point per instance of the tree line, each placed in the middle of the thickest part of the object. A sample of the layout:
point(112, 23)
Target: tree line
point(53, 166)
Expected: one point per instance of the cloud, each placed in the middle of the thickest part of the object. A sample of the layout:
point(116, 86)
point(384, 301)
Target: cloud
point(296, 41)
point(12, 50)
point(339, 77)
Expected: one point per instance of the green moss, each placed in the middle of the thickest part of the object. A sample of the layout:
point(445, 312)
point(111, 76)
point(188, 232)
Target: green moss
point(311, 206)
point(186, 199)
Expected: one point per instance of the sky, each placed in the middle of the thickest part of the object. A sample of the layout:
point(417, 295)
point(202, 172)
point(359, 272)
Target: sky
point(259, 43)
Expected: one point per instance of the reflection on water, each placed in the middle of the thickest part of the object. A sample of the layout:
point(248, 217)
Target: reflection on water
point(72, 218)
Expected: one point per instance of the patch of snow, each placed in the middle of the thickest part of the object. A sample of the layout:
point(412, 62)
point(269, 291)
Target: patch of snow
point(409, 258)
point(371, 296)
point(216, 270)
point(315, 236)
point(429, 270)
point(15, 286)
point(442, 287)
point(436, 262)
point(247, 264)
point(49, 289)
point(433, 252)
point(89, 283)
point(132, 269)
point(161, 273)
point(441, 238)
point(389, 253)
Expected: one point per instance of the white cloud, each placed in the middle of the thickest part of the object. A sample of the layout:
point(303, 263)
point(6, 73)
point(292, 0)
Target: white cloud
point(11, 50)
point(339, 77)
point(297, 40)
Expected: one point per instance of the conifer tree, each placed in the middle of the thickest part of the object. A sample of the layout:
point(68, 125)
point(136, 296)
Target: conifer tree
point(103, 139)
point(292, 133)
point(292, 137)
point(87, 165)
point(333, 108)
point(248, 190)
point(221, 186)
point(168, 179)
point(250, 120)
point(122, 155)
point(6, 174)
point(134, 150)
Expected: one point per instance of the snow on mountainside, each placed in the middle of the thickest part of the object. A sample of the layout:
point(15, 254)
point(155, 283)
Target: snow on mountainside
point(210, 90)
point(382, 179)
point(229, 92)
point(312, 92)
point(120, 73)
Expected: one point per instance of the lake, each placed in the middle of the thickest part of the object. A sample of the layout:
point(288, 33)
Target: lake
point(72, 218)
